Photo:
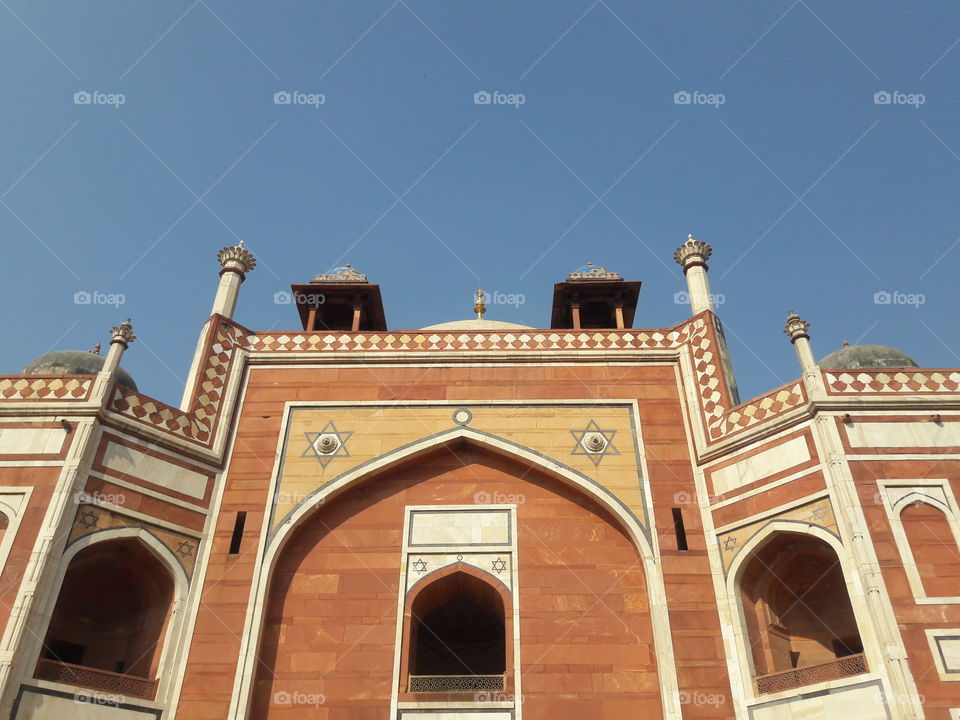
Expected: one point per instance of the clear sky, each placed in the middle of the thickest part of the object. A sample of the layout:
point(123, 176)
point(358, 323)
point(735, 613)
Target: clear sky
point(815, 192)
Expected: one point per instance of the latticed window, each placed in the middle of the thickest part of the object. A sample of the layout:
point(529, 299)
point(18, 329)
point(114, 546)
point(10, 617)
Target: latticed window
point(800, 622)
point(457, 639)
point(109, 619)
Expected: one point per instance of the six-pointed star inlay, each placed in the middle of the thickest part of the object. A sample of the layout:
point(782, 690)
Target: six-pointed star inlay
point(499, 566)
point(316, 444)
point(185, 549)
point(88, 519)
point(419, 565)
point(584, 446)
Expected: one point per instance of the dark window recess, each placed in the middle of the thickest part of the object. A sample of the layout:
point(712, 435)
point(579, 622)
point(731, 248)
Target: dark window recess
point(238, 532)
point(679, 530)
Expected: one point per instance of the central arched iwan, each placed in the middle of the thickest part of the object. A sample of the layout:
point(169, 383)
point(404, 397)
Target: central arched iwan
point(331, 613)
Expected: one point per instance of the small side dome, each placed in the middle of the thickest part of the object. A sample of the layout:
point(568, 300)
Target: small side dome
point(867, 357)
point(74, 362)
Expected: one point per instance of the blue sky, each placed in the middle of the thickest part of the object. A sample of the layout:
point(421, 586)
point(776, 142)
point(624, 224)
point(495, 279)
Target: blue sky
point(815, 194)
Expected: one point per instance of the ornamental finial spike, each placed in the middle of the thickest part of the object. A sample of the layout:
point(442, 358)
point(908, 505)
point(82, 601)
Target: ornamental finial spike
point(692, 252)
point(796, 327)
point(237, 258)
point(480, 307)
point(122, 333)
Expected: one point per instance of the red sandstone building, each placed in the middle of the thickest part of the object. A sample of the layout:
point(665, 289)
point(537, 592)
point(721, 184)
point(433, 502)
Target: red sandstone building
point(479, 520)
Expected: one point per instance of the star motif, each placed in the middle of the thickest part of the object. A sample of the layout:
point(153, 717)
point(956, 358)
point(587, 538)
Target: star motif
point(499, 566)
point(584, 447)
point(315, 442)
point(185, 549)
point(88, 519)
point(420, 566)
point(819, 513)
point(730, 544)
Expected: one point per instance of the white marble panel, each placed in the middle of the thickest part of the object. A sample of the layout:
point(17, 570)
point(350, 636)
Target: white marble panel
point(903, 434)
point(31, 441)
point(154, 470)
point(763, 464)
point(459, 527)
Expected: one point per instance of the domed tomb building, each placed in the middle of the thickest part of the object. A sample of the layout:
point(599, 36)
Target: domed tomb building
point(479, 520)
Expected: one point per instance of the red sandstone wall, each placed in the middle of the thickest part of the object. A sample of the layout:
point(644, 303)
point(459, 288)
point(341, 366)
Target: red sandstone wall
point(697, 642)
point(43, 480)
point(913, 619)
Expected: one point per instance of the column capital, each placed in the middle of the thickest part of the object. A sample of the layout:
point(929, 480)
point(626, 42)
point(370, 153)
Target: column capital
point(122, 334)
point(236, 258)
point(796, 327)
point(692, 253)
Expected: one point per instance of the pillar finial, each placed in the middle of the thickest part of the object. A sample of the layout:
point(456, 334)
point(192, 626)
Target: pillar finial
point(692, 253)
point(796, 327)
point(480, 306)
point(236, 258)
point(122, 333)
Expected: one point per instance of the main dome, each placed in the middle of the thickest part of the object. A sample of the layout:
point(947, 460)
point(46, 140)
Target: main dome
point(867, 357)
point(477, 325)
point(74, 362)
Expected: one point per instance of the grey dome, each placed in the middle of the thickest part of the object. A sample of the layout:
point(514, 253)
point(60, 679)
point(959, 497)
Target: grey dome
point(74, 362)
point(867, 357)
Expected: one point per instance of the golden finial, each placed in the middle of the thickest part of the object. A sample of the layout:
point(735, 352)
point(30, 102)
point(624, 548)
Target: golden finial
point(480, 308)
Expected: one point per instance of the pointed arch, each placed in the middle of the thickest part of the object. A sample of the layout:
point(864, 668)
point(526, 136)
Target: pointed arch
point(141, 539)
point(788, 640)
point(573, 478)
point(466, 586)
point(277, 538)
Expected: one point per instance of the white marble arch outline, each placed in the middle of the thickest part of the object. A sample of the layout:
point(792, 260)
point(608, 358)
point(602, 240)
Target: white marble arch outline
point(656, 590)
point(739, 645)
point(919, 491)
point(180, 587)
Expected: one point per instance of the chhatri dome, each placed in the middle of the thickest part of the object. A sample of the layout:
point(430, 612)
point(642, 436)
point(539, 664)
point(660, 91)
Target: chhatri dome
point(867, 357)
